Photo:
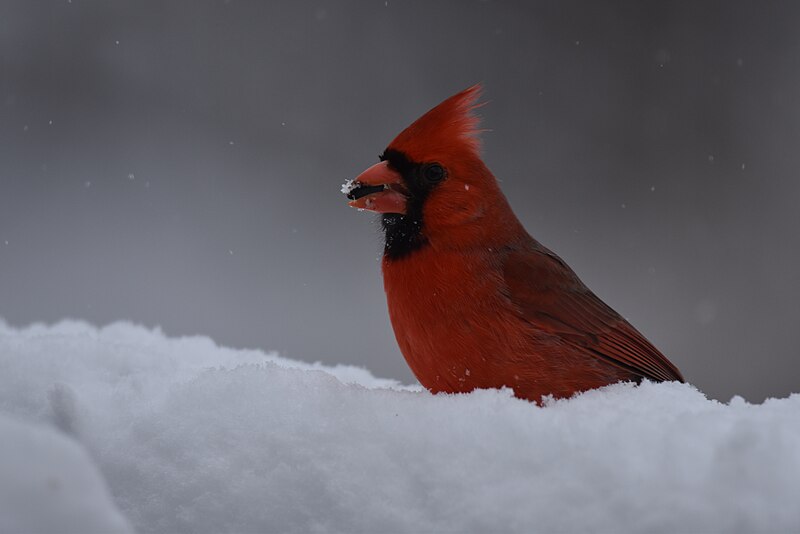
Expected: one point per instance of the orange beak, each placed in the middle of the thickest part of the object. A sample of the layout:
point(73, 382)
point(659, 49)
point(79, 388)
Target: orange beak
point(379, 189)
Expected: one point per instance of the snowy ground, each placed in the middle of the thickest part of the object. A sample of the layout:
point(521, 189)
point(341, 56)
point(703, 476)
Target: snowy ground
point(123, 429)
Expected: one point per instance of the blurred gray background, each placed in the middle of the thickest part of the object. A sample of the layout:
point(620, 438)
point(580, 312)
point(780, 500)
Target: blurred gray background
point(178, 163)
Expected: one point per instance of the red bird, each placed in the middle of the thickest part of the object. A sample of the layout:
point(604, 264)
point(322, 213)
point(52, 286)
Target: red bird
point(474, 300)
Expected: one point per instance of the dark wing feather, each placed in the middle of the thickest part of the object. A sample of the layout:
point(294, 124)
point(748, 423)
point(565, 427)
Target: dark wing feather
point(552, 298)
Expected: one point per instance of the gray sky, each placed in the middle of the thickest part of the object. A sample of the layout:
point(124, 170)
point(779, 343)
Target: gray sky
point(178, 164)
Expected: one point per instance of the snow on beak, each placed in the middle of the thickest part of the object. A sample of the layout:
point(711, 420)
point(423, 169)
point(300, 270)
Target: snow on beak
point(379, 188)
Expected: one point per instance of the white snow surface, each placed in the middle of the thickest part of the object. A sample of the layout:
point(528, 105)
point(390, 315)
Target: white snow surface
point(108, 429)
point(49, 484)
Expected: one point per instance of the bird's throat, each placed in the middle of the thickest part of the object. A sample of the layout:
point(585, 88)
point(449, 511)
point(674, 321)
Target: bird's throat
point(403, 234)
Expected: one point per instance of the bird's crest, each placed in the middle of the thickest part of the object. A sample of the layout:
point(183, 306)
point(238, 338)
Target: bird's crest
point(449, 128)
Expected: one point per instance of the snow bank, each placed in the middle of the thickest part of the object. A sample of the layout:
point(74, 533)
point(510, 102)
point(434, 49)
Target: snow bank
point(192, 437)
point(49, 484)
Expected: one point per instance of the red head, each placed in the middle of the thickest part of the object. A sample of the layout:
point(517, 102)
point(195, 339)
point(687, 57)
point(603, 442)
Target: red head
point(450, 130)
point(431, 185)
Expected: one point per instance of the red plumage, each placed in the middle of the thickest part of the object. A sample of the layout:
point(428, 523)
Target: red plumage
point(474, 300)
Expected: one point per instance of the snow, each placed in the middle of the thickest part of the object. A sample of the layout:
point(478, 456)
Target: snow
point(192, 437)
point(49, 484)
point(348, 186)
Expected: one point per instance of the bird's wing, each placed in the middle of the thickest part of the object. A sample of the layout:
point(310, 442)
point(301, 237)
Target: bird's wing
point(552, 298)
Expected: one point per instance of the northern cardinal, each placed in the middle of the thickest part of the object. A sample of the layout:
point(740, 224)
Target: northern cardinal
point(474, 300)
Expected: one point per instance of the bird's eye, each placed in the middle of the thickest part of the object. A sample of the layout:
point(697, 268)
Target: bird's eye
point(433, 173)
